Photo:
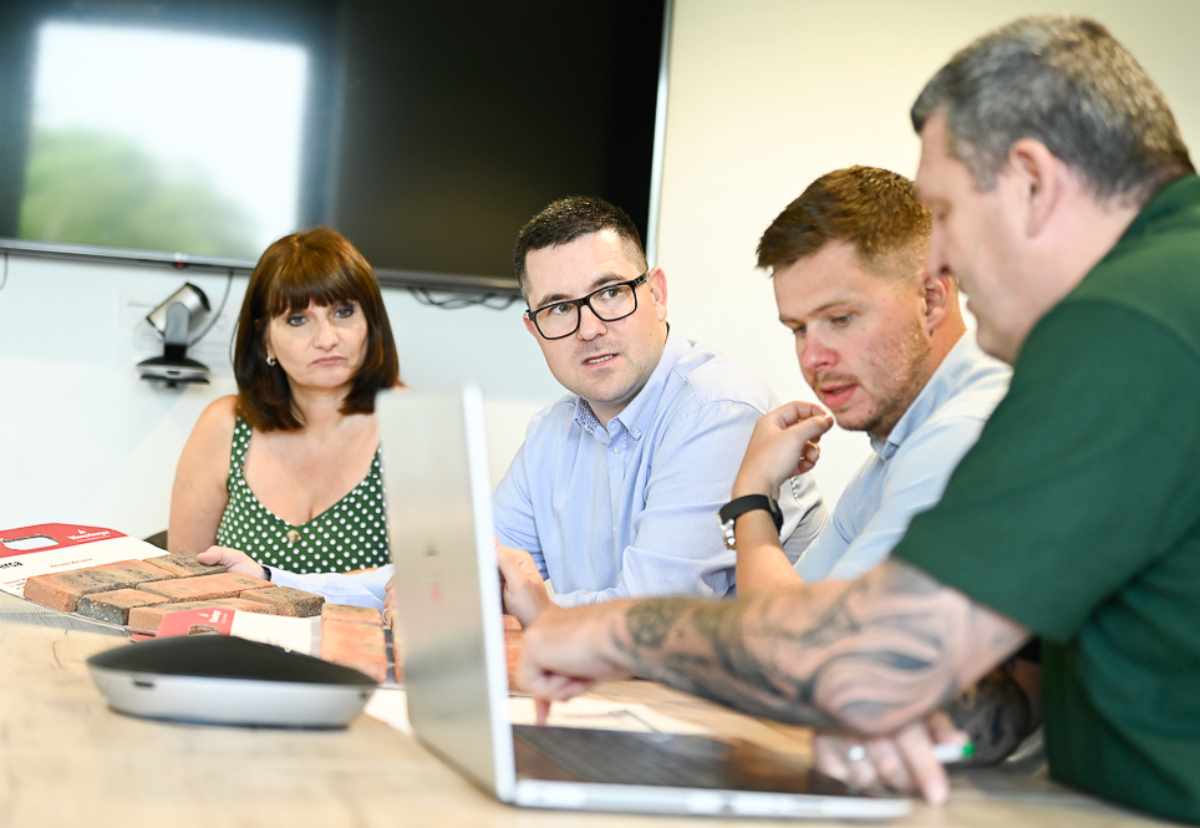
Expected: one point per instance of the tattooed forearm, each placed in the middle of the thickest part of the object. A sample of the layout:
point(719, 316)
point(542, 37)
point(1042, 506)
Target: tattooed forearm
point(872, 655)
point(650, 621)
point(723, 669)
point(996, 715)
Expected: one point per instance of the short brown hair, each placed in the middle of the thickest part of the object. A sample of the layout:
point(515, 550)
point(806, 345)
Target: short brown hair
point(317, 267)
point(568, 219)
point(876, 210)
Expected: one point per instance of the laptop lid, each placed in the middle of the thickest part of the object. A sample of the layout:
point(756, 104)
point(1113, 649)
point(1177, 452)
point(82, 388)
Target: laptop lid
point(440, 527)
point(447, 583)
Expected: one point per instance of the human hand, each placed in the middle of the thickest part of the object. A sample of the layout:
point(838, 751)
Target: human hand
point(903, 761)
point(234, 560)
point(783, 445)
point(568, 651)
point(390, 607)
point(522, 588)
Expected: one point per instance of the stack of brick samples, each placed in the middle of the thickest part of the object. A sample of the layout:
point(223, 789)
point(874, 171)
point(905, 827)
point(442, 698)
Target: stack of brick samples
point(139, 594)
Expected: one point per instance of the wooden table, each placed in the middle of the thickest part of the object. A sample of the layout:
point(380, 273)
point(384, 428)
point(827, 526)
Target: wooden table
point(67, 760)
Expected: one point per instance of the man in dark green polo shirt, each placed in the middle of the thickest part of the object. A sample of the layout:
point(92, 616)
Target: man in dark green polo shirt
point(1065, 201)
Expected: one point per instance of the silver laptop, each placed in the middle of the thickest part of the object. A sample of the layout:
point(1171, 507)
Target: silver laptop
point(439, 513)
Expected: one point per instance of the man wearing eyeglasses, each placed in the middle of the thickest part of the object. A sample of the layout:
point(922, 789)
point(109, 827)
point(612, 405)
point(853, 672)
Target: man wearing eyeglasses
point(614, 491)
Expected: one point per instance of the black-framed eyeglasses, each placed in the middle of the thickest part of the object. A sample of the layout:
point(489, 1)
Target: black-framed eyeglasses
point(559, 320)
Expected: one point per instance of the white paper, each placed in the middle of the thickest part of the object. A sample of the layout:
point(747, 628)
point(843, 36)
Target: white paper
point(301, 635)
point(390, 706)
point(601, 714)
point(17, 568)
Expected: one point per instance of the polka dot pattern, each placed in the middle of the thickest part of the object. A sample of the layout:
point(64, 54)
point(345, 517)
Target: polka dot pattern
point(351, 534)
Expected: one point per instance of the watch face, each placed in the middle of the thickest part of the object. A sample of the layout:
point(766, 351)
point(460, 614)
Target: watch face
point(727, 528)
point(727, 533)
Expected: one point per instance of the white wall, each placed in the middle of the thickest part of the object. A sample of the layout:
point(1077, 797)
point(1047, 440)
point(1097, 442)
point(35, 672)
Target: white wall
point(766, 95)
point(82, 439)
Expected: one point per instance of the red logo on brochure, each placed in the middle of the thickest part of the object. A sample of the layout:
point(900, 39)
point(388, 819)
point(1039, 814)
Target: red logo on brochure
point(51, 536)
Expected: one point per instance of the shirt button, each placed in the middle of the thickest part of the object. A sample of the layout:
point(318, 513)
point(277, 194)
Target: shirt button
point(616, 451)
point(293, 536)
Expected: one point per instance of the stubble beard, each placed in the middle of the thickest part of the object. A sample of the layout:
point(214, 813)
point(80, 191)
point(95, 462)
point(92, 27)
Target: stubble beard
point(904, 383)
point(617, 391)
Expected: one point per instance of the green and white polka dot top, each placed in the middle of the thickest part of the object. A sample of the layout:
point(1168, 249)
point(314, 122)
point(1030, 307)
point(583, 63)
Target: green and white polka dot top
point(350, 534)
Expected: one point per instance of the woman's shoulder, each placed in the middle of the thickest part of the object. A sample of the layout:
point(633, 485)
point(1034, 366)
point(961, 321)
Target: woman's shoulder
point(217, 421)
point(207, 451)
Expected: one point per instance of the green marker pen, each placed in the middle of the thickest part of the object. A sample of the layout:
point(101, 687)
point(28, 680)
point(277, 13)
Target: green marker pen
point(948, 753)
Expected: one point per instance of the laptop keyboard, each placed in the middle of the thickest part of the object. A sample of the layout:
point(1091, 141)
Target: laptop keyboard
point(686, 761)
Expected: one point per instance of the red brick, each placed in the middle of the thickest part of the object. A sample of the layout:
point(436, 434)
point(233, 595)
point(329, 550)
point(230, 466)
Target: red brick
point(351, 615)
point(114, 606)
point(184, 565)
point(62, 590)
point(295, 603)
point(206, 587)
point(147, 619)
point(357, 645)
point(136, 572)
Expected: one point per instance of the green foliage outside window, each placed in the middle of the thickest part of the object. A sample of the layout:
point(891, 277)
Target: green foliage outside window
point(88, 187)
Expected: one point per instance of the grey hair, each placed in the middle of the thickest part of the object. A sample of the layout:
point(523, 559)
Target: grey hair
point(1066, 82)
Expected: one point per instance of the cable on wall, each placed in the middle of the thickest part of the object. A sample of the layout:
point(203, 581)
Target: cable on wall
point(492, 301)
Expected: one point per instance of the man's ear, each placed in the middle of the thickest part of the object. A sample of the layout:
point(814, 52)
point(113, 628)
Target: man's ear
point(1037, 183)
point(529, 326)
point(938, 292)
point(658, 289)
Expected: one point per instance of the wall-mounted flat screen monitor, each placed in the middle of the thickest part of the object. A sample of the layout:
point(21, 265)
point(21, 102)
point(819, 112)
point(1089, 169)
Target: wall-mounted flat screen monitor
point(199, 131)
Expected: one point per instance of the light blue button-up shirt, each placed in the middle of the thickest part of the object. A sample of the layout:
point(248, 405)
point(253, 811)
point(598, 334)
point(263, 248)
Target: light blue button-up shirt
point(631, 509)
point(910, 468)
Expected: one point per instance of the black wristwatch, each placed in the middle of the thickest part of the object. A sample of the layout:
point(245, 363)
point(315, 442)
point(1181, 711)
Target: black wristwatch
point(737, 507)
point(266, 572)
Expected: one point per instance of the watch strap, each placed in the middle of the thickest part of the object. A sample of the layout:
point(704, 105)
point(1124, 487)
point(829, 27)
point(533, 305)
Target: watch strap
point(737, 507)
